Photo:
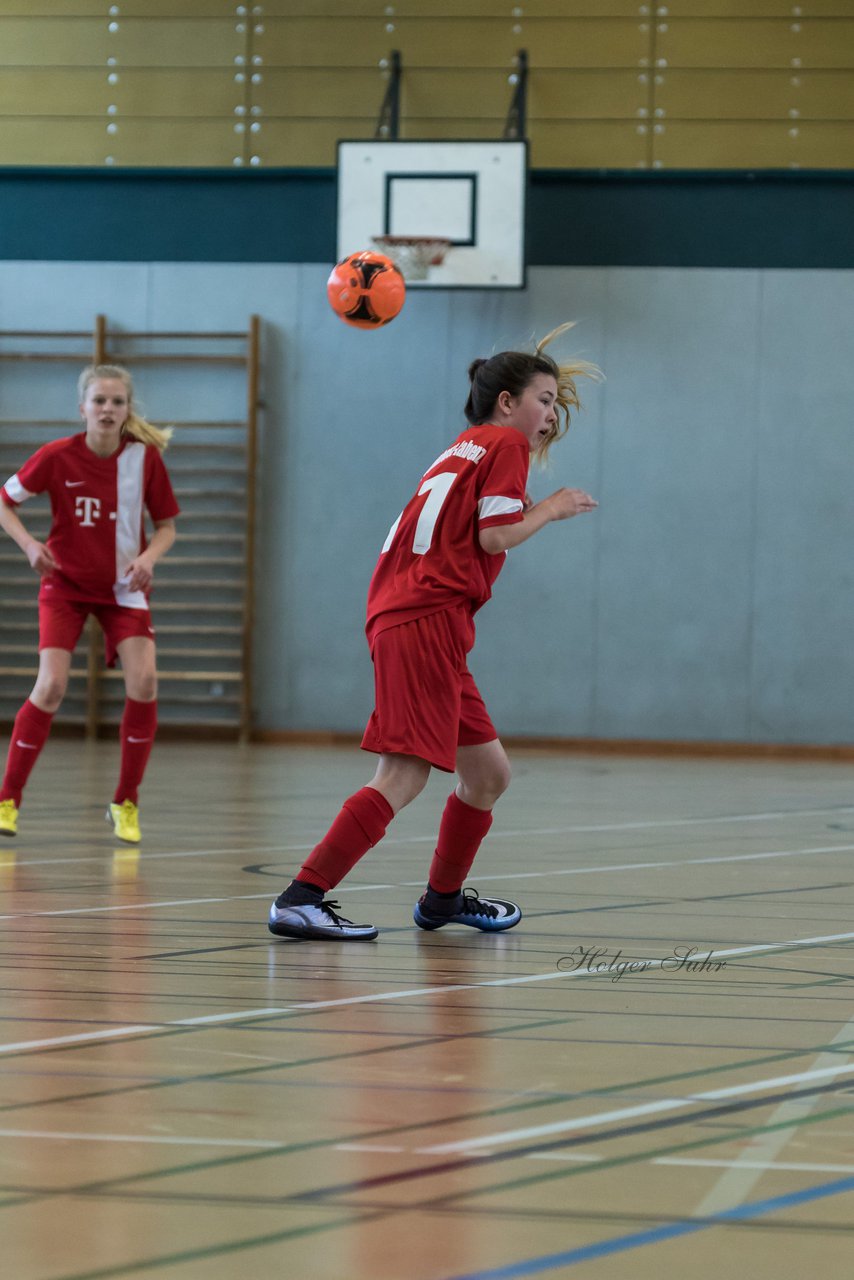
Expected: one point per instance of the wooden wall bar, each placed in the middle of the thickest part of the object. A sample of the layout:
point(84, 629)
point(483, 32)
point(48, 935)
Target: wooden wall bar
point(202, 600)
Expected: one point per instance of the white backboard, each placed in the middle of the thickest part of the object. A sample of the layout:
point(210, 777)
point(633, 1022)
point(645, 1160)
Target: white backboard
point(471, 193)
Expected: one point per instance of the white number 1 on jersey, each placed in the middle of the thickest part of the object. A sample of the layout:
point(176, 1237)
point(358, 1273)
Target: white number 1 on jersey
point(437, 489)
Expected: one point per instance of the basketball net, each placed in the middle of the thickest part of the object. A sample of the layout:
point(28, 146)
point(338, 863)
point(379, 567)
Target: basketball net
point(415, 255)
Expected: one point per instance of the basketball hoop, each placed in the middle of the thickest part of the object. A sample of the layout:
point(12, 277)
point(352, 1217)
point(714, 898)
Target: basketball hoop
point(415, 255)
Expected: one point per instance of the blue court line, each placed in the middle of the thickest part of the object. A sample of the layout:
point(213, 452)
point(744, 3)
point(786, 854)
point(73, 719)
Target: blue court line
point(601, 1249)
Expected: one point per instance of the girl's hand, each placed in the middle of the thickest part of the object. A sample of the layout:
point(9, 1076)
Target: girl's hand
point(570, 502)
point(41, 558)
point(140, 573)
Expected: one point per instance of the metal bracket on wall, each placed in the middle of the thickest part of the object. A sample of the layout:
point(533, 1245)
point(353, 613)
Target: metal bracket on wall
point(388, 124)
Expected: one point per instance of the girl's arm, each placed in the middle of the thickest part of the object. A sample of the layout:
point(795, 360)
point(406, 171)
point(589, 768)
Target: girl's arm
point(141, 569)
point(37, 553)
point(559, 506)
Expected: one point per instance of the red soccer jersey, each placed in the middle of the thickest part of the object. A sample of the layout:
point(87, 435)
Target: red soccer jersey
point(97, 505)
point(432, 558)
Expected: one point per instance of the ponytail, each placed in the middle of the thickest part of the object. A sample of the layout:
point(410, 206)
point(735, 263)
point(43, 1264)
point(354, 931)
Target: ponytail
point(513, 370)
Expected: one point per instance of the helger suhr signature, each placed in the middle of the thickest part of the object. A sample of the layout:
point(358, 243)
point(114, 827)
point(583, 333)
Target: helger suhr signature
point(596, 960)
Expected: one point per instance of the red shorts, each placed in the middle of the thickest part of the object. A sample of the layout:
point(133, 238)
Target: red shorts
point(427, 703)
point(61, 623)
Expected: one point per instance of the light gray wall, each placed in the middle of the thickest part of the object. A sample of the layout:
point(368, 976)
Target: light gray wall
point(709, 598)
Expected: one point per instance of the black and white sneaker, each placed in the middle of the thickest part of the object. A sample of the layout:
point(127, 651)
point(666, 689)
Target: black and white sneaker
point(320, 920)
point(488, 914)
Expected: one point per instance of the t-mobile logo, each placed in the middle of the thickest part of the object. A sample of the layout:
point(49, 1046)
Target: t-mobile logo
point(87, 510)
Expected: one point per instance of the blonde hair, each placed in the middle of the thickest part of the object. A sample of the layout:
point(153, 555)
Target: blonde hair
point(135, 425)
point(513, 370)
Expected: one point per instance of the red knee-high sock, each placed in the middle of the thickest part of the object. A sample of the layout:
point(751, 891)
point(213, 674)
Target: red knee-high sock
point(460, 833)
point(32, 726)
point(139, 724)
point(359, 826)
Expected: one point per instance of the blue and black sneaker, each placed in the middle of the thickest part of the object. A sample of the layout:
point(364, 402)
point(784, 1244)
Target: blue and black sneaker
point(488, 914)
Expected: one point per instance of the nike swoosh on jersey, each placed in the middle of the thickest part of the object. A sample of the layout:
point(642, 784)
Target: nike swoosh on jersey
point(72, 484)
point(30, 746)
point(130, 739)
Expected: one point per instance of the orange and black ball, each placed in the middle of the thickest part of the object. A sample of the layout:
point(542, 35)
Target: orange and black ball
point(366, 289)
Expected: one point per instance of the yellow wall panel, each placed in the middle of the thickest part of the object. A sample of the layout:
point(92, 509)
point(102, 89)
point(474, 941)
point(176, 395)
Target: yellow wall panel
point(715, 145)
point(536, 9)
point(178, 9)
point(755, 8)
point(75, 141)
point(53, 142)
point(760, 95)
point(34, 91)
point(183, 75)
point(78, 42)
point(570, 43)
point(83, 91)
point(138, 42)
point(190, 143)
point(442, 93)
point(748, 43)
point(457, 43)
point(825, 145)
point(179, 43)
point(307, 142)
point(551, 94)
point(185, 91)
point(500, 10)
point(322, 91)
point(825, 95)
point(37, 9)
point(325, 9)
point(593, 145)
point(583, 95)
point(350, 42)
point(473, 128)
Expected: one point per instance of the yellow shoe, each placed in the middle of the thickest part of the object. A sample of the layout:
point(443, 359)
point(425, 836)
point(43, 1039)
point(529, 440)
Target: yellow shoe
point(8, 818)
point(125, 820)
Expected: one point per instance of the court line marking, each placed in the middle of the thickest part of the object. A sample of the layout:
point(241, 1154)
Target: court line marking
point(737, 1183)
point(675, 862)
point(370, 1147)
point(113, 1033)
point(377, 997)
point(772, 1165)
point(692, 1162)
point(630, 1113)
point(408, 884)
point(635, 1158)
point(158, 1140)
point(499, 834)
point(668, 1231)
point(570, 1156)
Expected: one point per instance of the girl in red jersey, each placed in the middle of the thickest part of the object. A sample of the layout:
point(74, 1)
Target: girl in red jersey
point(435, 570)
point(96, 561)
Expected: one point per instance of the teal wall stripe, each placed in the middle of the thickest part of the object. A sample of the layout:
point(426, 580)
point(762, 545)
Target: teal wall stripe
point(724, 218)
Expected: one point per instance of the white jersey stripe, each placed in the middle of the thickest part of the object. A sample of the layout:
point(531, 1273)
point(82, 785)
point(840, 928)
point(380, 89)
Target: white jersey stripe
point(129, 483)
point(16, 490)
point(497, 506)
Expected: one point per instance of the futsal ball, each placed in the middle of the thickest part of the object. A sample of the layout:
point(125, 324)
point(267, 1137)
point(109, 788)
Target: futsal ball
point(366, 289)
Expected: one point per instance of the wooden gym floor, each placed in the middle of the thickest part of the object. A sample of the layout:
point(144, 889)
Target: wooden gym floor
point(185, 1096)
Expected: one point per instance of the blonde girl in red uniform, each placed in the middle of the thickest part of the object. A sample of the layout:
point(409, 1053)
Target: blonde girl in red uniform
point(95, 560)
point(435, 570)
